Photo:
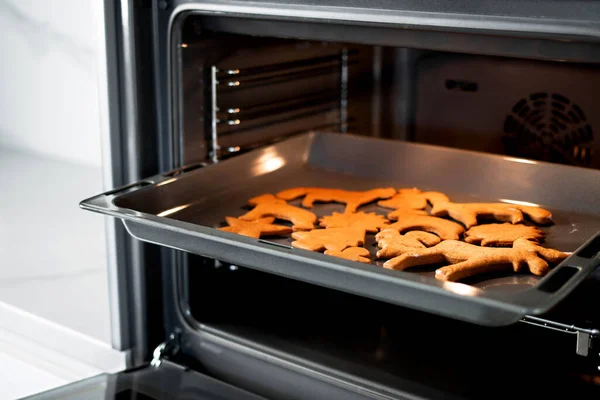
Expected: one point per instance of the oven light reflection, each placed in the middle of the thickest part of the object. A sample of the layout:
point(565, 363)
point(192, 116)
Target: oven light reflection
point(520, 160)
point(273, 164)
point(173, 210)
point(519, 203)
point(461, 288)
point(268, 162)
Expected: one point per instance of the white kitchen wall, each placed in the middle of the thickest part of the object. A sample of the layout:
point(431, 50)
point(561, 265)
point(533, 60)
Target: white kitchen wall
point(48, 86)
point(53, 263)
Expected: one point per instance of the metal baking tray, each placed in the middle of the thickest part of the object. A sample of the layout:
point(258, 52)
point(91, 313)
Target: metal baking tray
point(182, 208)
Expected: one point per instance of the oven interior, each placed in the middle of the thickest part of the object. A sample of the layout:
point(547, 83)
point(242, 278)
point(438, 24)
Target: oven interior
point(242, 91)
point(237, 92)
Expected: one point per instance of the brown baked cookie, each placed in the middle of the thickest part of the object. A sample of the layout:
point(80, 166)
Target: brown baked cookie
point(370, 222)
point(301, 219)
point(359, 254)
point(407, 221)
point(413, 199)
point(392, 244)
point(336, 239)
point(501, 234)
point(410, 198)
point(265, 198)
point(467, 259)
point(435, 197)
point(353, 200)
point(467, 213)
point(255, 229)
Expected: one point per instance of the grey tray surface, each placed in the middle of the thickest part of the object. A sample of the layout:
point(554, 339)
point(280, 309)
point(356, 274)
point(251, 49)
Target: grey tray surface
point(182, 210)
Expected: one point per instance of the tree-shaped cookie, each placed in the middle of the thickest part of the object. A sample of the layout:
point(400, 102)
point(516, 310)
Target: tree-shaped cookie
point(370, 222)
point(257, 228)
point(353, 200)
point(467, 213)
point(359, 254)
point(408, 221)
point(413, 199)
point(270, 206)
point(502, 234)
point(466, 259)
point(393, 244)
point(336, 239)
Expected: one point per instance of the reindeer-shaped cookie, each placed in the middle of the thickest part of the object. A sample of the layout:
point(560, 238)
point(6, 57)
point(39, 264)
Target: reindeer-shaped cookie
point(413, 200)
point(467, 213)
point(467, 259)
point(353, 200)
point(393, 244)
point(268, 205)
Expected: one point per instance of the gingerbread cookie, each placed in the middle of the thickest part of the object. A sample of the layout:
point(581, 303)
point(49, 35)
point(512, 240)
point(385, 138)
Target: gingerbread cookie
point(413, 199)
point(257, 228)
point(353, 200)
point(435, 197)
point(467, 259)
point(336, 239)
point(359, 254)
point(301, 219)
point(393, 244)
point(501, 234)
point(265, 198)
point(408, 221)
point(467, 213)
point(370, 222)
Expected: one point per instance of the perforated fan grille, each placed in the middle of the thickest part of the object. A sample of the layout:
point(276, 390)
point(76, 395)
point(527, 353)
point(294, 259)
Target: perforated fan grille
point(548, 127)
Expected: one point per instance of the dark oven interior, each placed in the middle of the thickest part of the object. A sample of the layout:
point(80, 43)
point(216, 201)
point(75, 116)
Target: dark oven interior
point(239, 92)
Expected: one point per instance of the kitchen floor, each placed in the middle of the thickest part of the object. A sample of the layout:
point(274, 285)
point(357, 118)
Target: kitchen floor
point(19, 379)
point(22, 372)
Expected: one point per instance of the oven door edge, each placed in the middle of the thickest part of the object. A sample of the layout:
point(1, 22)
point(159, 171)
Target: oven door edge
point(157, 382)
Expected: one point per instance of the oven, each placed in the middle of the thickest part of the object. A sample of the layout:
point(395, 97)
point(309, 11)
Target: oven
point(214, 102)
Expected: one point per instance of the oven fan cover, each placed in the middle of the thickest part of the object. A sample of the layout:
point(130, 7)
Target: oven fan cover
point(548, 127)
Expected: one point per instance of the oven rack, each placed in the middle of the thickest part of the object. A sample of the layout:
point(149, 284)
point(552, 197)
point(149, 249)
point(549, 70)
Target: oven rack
point(231, 119)
point(584, 336)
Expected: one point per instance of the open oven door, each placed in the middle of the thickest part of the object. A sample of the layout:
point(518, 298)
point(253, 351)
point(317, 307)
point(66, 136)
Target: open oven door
point(162, 380)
